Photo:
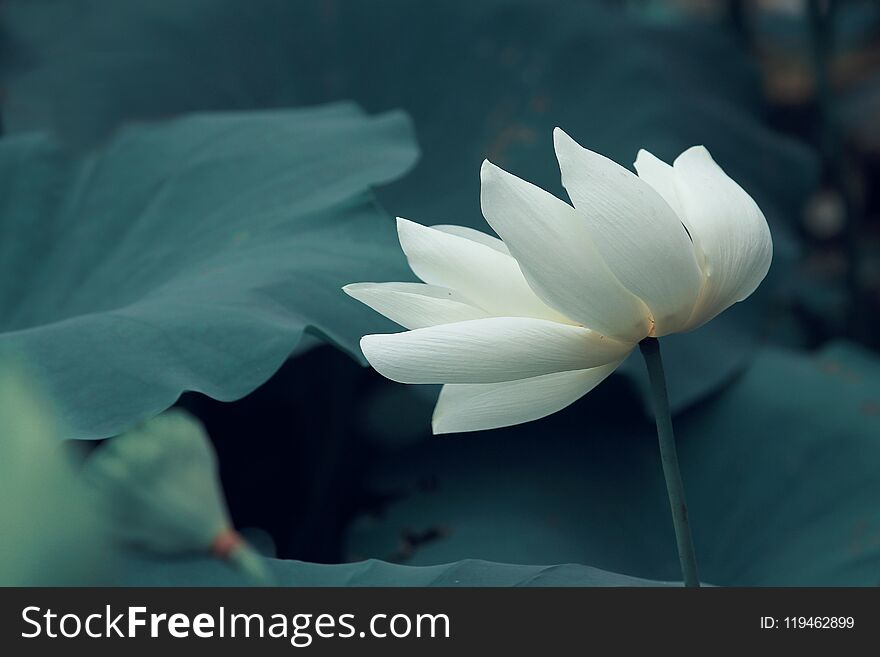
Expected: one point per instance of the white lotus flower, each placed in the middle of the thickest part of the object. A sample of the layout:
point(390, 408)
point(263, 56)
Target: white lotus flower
point(521, 328)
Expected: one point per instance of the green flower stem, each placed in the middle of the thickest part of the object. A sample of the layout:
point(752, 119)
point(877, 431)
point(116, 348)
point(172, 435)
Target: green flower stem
point(650, 348)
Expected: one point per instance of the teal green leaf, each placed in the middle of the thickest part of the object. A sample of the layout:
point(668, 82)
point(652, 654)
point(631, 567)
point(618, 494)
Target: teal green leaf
point(50, 535)
point(781, 475)
point(469, 572)
point(191, 255)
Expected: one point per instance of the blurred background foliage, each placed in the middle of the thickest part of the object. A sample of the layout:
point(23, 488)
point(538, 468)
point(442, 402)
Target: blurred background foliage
point(187, 183)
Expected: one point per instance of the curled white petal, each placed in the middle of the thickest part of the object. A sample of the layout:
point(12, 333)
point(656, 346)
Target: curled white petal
point(488, 351)
point(729, 231)
point(477, 407)
point(638, 234)
point(552, 243)
point(415, 305)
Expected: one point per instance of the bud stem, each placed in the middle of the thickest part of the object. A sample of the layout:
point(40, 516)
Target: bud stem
point(248, 562)
point(650, 348)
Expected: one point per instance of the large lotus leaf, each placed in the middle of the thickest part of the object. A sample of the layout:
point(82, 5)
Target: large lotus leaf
point(782, 475)
point(469, 572)
point(191, 255)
